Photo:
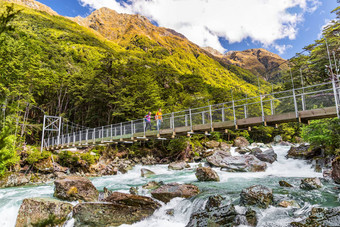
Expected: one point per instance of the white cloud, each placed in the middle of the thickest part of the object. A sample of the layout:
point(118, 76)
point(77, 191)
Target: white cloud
point(281, 48)
point(205, 21)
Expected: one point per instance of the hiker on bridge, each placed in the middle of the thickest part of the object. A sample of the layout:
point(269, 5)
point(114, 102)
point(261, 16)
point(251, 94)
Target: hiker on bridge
point(159, 118)
point(147, 120)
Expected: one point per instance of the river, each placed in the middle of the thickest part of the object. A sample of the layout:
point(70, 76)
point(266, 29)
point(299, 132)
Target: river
point(230, 186)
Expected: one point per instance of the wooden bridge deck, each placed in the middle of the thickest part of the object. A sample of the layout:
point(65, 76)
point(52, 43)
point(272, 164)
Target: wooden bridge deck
point(270, 120)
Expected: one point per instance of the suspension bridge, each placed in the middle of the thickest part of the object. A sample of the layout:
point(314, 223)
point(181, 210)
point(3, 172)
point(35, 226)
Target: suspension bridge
point(295, 105)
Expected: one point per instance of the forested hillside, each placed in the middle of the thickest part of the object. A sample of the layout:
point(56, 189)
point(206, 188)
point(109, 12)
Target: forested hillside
point(66, 69)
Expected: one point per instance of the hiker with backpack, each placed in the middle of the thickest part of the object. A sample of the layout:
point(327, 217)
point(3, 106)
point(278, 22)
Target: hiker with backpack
point(159, 119)
point(147, 120)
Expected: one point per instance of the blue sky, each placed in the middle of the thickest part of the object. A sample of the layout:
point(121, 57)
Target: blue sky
point(223, 24)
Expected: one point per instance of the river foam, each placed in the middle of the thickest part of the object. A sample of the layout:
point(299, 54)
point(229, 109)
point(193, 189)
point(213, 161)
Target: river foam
point(230, 186)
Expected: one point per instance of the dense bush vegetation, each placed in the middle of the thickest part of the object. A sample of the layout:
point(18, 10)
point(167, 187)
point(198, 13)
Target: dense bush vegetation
point(324, 133)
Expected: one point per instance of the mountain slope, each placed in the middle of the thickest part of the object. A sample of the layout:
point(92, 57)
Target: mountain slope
point(34, 5)
point(258, 61)
point(70, 70)
point(135, 31)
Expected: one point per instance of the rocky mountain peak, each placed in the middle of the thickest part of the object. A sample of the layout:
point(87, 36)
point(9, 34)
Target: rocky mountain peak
point(259, 61)
point(34, 5)
point(213, 51)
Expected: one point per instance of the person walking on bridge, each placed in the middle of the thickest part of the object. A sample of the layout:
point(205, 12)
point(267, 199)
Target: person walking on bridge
point(147, 120)
point(159, 119)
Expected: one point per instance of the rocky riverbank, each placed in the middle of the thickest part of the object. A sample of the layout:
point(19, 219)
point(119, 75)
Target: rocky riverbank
point(102, 207)
point(252, 158)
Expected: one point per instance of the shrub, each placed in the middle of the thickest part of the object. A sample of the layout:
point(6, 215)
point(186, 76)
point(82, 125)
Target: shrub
point(89, 158)
point(8, 155)
point(68, 159)
point(216, 136)
point(325, 133)
point(177, 145)
point(34, 155)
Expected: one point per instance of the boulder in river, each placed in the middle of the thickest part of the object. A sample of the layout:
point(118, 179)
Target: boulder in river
point(288, 203)
point(277, 139)
point(153, 185)
point(178, 165)
point(104, 194)
point(217, 158)
point(241, 142)
point(244, 163)
point(256, 150)
point(133, 190)
point(212, 144)
point(206, 174)
point(310, 183)
point(285, 184)
point(225, 146)
point(146, 172)
point(242, 150)
point(213, 202)
point(14, 179)
point(222, 216)
point(124, 167)
point(146, 203)
point(206, 153)
point(267, 156)
point(335, 174)
point(303, 151)
point(75, 188)
point(320, 217)
point(169, 191)
point(117, 209)
point(257, 195)
point(42, 212)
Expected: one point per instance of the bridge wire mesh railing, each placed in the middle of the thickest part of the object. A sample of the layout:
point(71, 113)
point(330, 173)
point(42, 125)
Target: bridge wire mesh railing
point(295, 100)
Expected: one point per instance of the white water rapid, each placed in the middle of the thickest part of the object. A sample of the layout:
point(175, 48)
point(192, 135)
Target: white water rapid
point(229, 187)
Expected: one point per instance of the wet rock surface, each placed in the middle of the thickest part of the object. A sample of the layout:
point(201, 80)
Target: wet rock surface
point(277, 139)
point(146, 203)
point(117, 209)
point(206, 174)
point(169, 191)
point(20, 179)
point(42, 211)
point(212, 144)
point(303, 152)
point(207, 153)
point(104, 194)
point(217, 158)
point(257, 195)
point(178, 165)
point(225, 146)
point(222, 216)
point(152, 185)
point(245, 163)
point(133, 190)
point(335, 174)
point(320, 217)
point(242, 150)
point(146, 172)
point(213, 202)
point(310, 183)
point(75, 188)
point(241, 142)
point(288, 203)
point(283, 183)
point(267, 156)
